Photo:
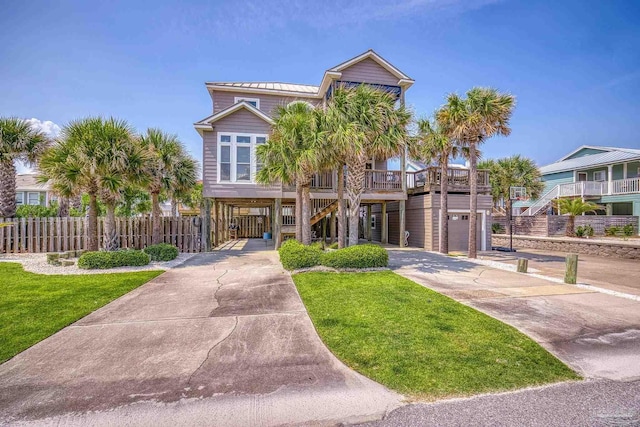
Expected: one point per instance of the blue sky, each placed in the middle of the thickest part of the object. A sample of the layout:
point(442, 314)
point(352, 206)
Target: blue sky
point(574, 66)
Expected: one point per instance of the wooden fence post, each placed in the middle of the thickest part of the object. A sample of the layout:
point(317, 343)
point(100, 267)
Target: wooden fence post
point(571, 274)
point(522, 265)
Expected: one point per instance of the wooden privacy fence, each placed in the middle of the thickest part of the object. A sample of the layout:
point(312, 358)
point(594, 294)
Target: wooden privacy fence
point(252, 226)
point(33, 235)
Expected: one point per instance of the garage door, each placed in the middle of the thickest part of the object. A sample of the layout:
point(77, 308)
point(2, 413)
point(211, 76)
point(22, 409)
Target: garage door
point(459, 232)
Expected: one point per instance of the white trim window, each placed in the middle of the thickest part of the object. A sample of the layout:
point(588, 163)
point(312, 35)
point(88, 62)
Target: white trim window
point(253, 101)
point(20, 198)
point(33, 199)
point(600, 176)
point(237, 160)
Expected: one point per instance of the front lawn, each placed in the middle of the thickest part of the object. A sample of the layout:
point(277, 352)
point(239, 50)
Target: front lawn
point(34, 306)
point(419, 342)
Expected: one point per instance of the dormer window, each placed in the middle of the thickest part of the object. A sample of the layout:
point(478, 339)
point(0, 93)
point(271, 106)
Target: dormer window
point(253, 101)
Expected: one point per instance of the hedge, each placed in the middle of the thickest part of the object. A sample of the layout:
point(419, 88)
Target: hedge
point(360, 256)
point(104, 259)
point(294, 255)
point(161, 252)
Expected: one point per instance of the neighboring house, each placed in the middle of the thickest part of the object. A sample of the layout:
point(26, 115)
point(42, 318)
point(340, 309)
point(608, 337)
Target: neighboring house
point(30, 192)
point(241, 120)
point(608, 176)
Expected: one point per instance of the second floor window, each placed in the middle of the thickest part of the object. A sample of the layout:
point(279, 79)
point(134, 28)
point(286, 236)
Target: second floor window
point(237, 160)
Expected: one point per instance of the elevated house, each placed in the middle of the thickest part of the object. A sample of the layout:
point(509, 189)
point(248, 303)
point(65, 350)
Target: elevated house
point(608, 176)
point(394, 201)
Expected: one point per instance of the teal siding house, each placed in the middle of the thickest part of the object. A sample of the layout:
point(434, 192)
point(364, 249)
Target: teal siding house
point(608, 176)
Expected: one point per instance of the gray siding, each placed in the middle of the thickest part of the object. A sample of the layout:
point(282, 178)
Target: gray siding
point(242, 121)
point(369, 71)
point(461, 202)
point(223, 99)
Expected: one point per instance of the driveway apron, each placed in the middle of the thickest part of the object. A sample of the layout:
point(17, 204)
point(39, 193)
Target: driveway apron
point(223, 340)
point(595, 333)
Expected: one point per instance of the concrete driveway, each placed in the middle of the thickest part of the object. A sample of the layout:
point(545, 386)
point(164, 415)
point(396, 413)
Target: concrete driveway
point(222, 341)
point(620, 275)
point(595, 333)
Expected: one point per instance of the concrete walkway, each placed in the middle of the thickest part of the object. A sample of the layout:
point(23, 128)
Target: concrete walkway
point(223, 341)
point(596, 334)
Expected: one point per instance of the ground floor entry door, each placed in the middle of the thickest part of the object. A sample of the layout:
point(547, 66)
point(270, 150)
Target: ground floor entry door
point(459, 231)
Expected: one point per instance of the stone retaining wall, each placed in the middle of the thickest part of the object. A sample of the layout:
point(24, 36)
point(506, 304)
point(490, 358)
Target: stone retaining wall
point(626, 250)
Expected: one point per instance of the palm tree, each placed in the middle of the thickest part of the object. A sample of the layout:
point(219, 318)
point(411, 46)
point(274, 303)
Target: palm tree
point(471, 121)
point(169, 169)
point(290, 156)
point(433, 144)
point(99, 157)
point(514, 171)
point(574, 207)
point(380, 131)
point(19, 140)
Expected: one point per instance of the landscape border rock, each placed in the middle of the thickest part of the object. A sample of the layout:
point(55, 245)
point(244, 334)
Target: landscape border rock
point(624, 250)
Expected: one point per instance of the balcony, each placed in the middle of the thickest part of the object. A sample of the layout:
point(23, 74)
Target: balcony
point(375, 181)
point(458, 180)
point(599, 188)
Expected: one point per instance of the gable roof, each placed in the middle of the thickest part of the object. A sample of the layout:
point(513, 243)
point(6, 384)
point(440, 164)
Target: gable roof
point(266, 87)
point(205, 124)
point(608, 156)
point(29, 181)
point(371, 54)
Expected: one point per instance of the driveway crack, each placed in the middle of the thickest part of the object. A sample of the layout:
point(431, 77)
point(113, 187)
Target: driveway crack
point(212, 348)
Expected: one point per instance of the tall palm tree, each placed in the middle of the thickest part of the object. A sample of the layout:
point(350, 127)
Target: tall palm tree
point(514, 171)
point(433, 144)
point(483, 114)
point(170, 169)
point(100, 157)
point(290, 155)
point(574, 207)
point(380, 132)
point(19, 140)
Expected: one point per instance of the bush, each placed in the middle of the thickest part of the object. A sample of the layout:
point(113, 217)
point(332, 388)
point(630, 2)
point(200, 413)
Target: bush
point(496, 228)
point(611, 231)
point(360, 256)
point(104, 259)
point(627, 230)
point(294, 255)
point(333, 245)
point(161, 252)
point(584, 231)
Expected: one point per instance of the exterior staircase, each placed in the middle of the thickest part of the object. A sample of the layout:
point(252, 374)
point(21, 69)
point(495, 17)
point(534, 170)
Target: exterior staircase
point(544, 201)
point(321, 208)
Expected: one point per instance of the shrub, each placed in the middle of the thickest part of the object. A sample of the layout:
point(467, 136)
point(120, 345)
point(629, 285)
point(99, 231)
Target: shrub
point(611, 231)
point(161, 252)
point(104, 259)
point(294, 255)
point(333, 245)
point(627, 230)
point(496, 228)
point(584, 231)
point(360, 256)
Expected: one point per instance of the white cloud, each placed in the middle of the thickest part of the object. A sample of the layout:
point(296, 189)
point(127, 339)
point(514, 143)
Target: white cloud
point(51, 129)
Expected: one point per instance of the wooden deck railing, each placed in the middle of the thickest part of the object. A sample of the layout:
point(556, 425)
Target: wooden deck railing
point(457, 177)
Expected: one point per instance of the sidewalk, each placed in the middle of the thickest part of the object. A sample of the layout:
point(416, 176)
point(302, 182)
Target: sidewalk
point(596, 334)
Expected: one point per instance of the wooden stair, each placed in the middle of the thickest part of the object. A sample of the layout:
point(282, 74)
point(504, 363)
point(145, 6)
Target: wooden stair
point(324, 212)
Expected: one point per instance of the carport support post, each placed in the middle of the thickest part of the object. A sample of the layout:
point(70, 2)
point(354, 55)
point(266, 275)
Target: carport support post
point(369, 231)
point(384, 238)
point(205, 239)
point(332, 226)
point(216, 229)
point(402, 222)
point(277, 223)
point(571, 275)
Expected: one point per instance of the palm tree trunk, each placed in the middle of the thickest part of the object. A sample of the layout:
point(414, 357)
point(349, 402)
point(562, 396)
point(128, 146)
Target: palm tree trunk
point(110, 242)
point(7, 189)
point(342, 211)
point(174, 208)
point(63, 207)
point(298, 212)
point(156, 214)
point(355, 184)
point(473, 195)
point(306, 215)
point(571, 224)
point(92, 226)
point(444, 206)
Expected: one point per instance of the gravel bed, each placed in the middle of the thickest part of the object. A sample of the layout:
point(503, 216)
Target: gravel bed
point(322, 268)
point(37, 263)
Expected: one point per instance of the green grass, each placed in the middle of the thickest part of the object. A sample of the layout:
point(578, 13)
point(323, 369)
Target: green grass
point(419, 342)
point(35, 306)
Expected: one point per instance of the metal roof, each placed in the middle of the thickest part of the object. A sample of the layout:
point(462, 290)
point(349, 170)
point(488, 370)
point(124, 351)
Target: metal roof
point(616, 155)
point(275, 86)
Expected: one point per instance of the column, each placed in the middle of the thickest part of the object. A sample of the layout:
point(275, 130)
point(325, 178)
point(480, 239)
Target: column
point(216, 225)
point(277, 223)
point(205, 239)
point(402, 222)
point(610, 178)
point(369, 230)
point(332, 226)
point(384, 238)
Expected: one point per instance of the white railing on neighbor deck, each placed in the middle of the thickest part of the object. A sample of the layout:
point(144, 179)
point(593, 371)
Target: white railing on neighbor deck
point(583, 188)
point(626, 186)
point(542, 202)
